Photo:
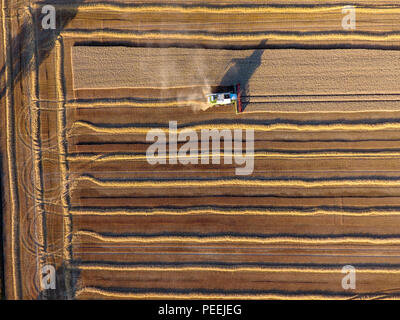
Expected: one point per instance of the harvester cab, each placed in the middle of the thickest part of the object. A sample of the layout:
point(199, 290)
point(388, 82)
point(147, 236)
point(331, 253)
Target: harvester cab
point(226, 98)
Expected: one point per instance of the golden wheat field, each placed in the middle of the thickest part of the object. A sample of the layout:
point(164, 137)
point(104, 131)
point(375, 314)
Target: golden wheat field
point(321, 112)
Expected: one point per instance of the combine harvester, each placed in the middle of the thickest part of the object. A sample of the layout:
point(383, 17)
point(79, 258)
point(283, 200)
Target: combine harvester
point(226, 98)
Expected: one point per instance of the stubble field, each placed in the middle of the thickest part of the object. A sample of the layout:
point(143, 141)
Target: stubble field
point(80, 194)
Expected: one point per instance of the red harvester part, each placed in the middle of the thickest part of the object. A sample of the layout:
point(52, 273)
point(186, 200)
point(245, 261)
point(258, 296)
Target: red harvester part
point(239, 98)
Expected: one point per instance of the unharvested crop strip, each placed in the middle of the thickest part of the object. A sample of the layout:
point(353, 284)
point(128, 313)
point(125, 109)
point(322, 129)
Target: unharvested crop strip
point(240, 239)
point(61, 147)
point(244, 212)
point(199, 104)
point(98, 267)
point(36, 147)
point(227, 9)
point(63, 159)
point(280, 183)
point(132, 295)
point(9, 112)
point(281, 155)
point(333, 36)
point(233, 126)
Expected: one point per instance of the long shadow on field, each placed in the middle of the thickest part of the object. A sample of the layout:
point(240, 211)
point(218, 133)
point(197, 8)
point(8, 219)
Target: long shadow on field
point(31, 39)
point(2, 223)
point(61, 291)
point(22, 46)
point(242, 71)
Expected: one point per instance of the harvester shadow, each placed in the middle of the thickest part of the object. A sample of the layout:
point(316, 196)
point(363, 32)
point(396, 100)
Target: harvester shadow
point(241, 71)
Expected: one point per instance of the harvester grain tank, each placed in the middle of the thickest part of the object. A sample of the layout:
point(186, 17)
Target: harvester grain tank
point(226, 98)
